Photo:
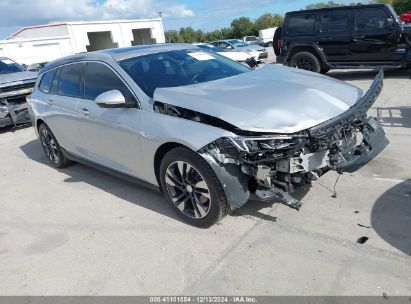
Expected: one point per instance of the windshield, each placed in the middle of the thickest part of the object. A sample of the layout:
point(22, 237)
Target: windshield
point(179, 68)
point(237, 43)
point(8, 66)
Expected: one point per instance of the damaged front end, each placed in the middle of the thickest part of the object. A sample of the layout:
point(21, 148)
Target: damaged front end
point(271, 166)
point(13, 105)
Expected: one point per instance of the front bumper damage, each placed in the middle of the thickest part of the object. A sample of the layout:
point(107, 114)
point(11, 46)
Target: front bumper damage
point(272, 166)
point(13, 105)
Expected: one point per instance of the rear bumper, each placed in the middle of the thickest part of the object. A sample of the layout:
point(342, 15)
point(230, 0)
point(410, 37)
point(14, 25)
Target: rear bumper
point(280, 59)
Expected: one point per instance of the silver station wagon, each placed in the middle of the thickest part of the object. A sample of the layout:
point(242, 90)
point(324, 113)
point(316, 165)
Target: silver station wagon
point(207, 131)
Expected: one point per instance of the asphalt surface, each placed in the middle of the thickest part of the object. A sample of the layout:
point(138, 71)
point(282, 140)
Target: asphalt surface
point(78, 231)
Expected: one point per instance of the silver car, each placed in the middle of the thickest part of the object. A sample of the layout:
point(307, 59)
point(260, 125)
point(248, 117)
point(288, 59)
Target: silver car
point(256, 51)
point(208, 132)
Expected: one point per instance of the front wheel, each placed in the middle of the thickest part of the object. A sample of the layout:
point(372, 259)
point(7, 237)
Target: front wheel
point(192, 188)
point(305, 61)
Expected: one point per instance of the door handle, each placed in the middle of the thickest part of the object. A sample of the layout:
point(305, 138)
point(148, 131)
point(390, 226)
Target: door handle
point(326, 38)
point(85, 112)
point(50, 101)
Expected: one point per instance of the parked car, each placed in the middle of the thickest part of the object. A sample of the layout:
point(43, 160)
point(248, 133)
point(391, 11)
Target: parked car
point(35, 67)
point(235, 45)
point(345, 37)
point(266, 36)
point(251, 40)
point(237, 56)
point(208, 131)
point(406, 17)
point(15, 84)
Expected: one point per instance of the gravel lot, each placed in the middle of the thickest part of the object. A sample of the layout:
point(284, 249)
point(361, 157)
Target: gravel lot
point(78, 231)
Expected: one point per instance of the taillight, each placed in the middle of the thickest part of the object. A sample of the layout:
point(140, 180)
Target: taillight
point(280, 43)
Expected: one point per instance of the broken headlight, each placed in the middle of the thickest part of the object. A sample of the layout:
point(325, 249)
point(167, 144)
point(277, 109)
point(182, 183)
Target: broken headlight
point(259, 144)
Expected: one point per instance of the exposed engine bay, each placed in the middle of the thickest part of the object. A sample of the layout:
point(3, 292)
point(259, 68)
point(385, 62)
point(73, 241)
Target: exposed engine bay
point(272, 165)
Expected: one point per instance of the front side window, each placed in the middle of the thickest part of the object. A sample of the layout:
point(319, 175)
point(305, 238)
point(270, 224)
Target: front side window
point(179, 68)
point(371, 19)
point(8, 66)
point(301, 24)
point(99, 78)
point(335, 22)
point(45, 83)
point(69, 80)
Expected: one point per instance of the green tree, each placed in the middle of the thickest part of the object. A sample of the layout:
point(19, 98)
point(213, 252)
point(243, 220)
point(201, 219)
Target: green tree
point(268, 20)
point(242, 27)
point(402, 6)
point(173, 36)
point(324, 4)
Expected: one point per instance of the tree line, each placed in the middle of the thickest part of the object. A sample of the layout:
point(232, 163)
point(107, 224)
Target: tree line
point(244, 26)
point(240, 27)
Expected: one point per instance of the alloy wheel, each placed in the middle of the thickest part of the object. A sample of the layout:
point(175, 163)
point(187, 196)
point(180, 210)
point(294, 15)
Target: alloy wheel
point(303, 64)
point(50, 146)
point(188, 189)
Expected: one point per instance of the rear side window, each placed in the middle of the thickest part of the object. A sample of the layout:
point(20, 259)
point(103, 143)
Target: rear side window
point(99, 78)
point(46, 80)
point(335, 22)
point(371, 19)
point(69, 81)
point(301, 24)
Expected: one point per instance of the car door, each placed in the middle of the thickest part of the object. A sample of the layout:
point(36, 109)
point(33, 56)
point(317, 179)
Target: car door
point(373, 39)
point(110, 135)
point(63, 97)
point(335, 34)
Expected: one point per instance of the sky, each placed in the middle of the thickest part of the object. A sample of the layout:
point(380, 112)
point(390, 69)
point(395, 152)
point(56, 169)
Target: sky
point(200, 14)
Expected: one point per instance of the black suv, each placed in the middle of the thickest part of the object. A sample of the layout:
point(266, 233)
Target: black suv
point(344, 37)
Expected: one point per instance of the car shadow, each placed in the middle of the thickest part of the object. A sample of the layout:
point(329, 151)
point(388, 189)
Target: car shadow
point(394, 117)
point(254, 208)
point(12, 128)
point(348, 75)
point(123, 189)
point(391, 216)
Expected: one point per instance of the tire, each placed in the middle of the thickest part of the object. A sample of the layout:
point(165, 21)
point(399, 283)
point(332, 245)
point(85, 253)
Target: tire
point(407, 39)
point(305, 61)
point(52, 148)
point(277, 36)
point(192, 188)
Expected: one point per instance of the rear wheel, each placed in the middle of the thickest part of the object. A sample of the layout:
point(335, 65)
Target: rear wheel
point(52, 148)
point(192, 188)
point(305, 61)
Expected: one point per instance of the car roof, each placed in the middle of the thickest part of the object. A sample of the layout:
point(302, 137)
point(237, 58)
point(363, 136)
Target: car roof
point(336, 8)
point(118, 54)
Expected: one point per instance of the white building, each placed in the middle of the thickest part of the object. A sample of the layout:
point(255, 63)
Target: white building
point(42, 43)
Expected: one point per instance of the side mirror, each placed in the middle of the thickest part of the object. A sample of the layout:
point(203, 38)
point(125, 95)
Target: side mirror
point(389, 23)
point(111, 99)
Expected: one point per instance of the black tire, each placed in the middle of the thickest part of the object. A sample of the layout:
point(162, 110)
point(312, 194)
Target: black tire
point(182, 190)
point(305, 61)
point(407, 39)
point(277, 36)
point(52, 148)
point(325, 70)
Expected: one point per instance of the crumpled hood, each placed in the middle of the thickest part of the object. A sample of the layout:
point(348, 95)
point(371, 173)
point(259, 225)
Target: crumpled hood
point(273, 98)
point(7, 79)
